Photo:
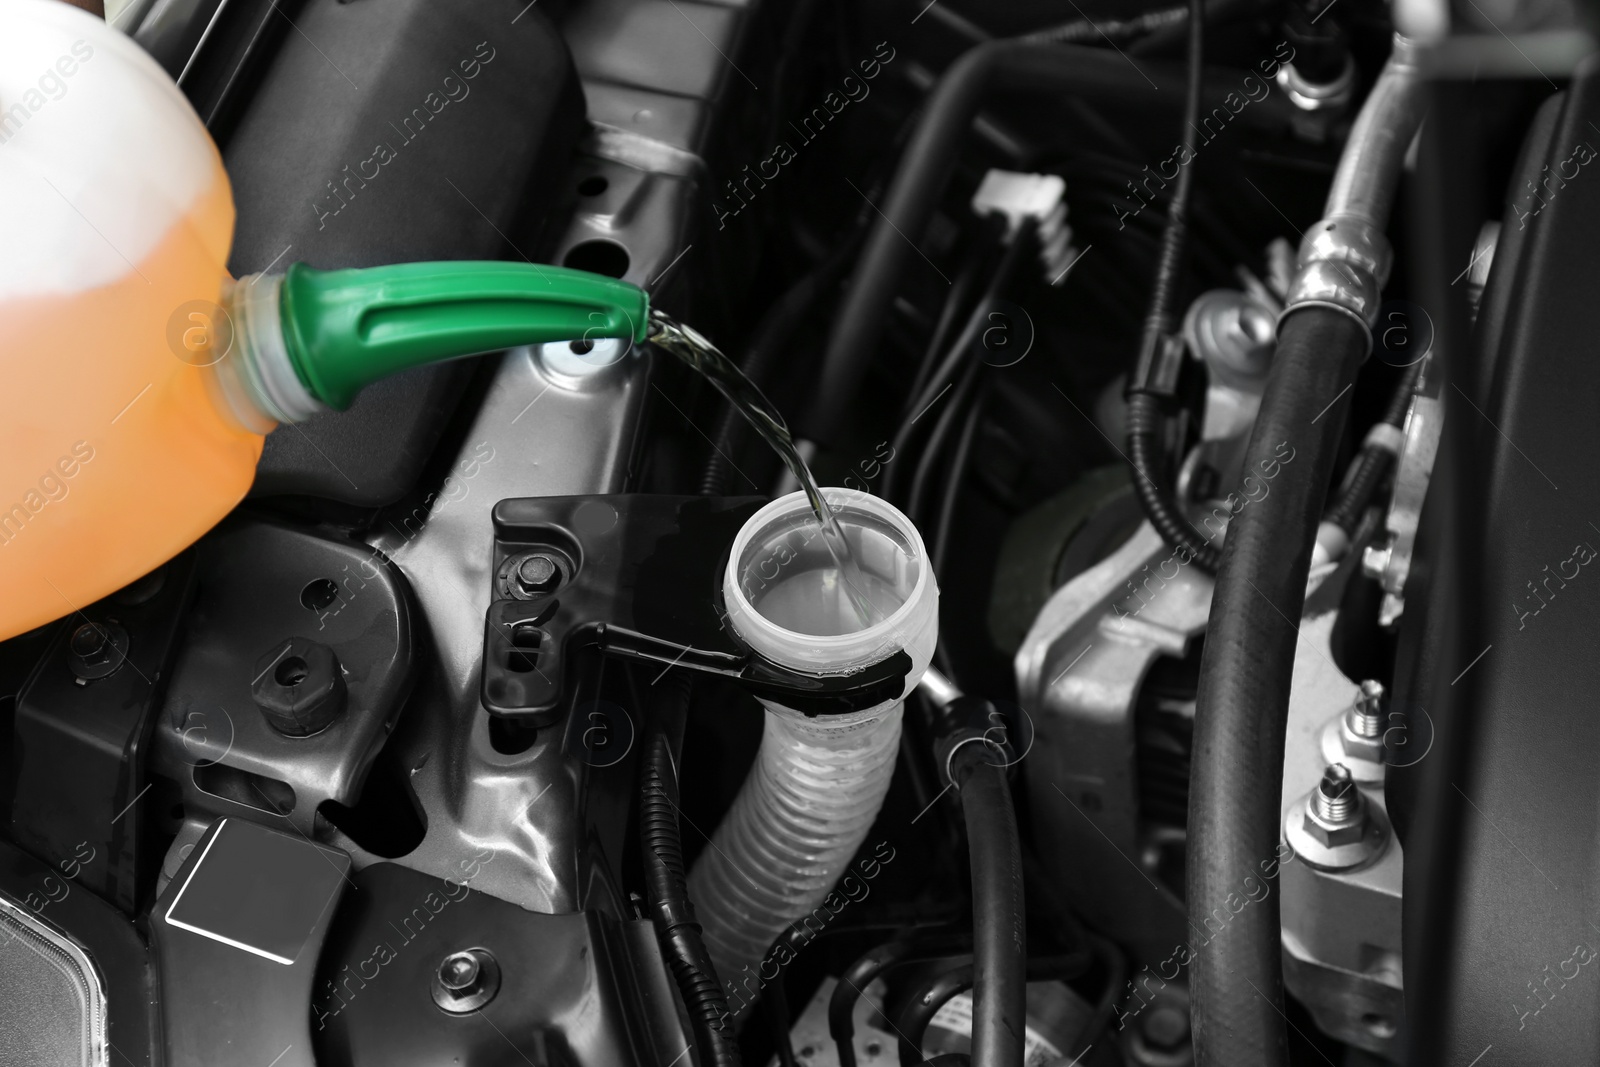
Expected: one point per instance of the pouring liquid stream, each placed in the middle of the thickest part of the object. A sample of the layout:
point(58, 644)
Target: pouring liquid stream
point(699, 353)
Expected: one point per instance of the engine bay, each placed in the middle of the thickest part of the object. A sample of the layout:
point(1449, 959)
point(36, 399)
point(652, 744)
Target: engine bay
point(1174, 715)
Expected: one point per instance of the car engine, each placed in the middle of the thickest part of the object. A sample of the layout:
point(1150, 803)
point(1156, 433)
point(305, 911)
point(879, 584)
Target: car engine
point(1198, 382)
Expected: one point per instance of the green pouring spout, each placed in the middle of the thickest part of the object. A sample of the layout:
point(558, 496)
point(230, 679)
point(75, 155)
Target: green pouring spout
point(344, 329)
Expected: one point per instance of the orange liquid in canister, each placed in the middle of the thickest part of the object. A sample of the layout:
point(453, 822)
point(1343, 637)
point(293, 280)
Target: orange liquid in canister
point(114, 449)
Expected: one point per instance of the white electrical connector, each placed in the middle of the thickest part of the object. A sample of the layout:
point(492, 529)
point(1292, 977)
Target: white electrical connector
point(1016, 197)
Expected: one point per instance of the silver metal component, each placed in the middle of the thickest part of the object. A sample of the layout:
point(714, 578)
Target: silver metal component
point(1365, 183)
point(1365, 717)
point(1344, 262)
point(1388, 561)
point(578, 364)
point(937, 688)
point(1482, 259)
point(54, 996)
point(1375, 560)
point(1331, 544)
point(1355, 739)
point(1308, 95)
point(1341, 923)
point(1231, 332)
point(508, 821)
point(1427, 22)
point(1333, 810)
point(465, 981)
point(1079, 673)
point(541, 440)
point(1344, 259)
point(1084, 661)
point(537, 574)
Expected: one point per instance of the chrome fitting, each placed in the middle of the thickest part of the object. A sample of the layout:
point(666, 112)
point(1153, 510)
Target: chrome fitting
point(1344, 262)
point(1333, 828)
point(1354, 740)
point(1308, 95)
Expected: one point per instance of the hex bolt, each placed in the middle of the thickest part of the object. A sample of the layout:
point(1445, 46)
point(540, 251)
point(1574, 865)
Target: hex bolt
point(96, 650)
point(459, 973)
point(1336, 800)
point(537, 574)
point(1166, 1028)
point(88, 641)
point(466, 980)
point(1365, 717)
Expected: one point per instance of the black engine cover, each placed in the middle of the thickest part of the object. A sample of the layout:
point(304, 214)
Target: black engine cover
point(384, 131)
point(1501, 888)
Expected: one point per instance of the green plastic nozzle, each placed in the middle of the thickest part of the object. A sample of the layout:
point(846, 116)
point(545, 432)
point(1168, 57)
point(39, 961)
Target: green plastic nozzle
point(345, 329)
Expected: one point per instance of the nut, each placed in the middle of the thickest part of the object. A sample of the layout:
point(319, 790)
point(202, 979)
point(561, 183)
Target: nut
point(1335, 827)
point(1356, 737)
point(1333, 835)
point(299, 687)
point(1335, 812)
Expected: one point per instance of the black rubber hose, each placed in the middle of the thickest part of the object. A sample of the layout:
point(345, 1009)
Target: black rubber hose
point(1374, 461)
point(999, 929)
point(864, 971)
point(1116, 974)
point(924, 171)
point(924, 1002)
point(676, 928)
point(1236, 786)
point(1146, 422)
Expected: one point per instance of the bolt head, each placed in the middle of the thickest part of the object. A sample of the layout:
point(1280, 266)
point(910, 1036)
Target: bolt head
point(459, 972)
point(538, 574)
point(1375, 561)
point(96, 649)
point(299, 687)
point(465, 981)
point(1166, 1027)
point(88, 641)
